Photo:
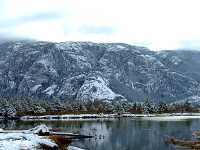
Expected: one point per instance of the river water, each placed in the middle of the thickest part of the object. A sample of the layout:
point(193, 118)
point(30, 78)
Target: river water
point(119, 134)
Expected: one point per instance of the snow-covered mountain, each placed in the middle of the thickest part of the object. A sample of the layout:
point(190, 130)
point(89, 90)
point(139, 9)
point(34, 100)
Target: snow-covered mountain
point(97, 71)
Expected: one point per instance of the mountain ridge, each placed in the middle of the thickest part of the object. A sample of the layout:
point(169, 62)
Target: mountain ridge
point(87, 71)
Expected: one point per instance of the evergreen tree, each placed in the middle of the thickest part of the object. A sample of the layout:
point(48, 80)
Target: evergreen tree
point(148, 107)
point(162, 107)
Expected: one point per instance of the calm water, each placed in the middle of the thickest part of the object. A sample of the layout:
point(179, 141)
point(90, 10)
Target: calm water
point(123, 134)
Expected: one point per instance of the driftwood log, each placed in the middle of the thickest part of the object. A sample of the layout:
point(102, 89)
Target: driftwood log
point(47, 147)
point(66, 135)
point(61, 141)
point(70, 135)
point(183, 143)
point(43, 130)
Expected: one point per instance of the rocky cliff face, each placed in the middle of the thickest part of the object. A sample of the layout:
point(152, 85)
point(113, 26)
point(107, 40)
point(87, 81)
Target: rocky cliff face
point(95, 71)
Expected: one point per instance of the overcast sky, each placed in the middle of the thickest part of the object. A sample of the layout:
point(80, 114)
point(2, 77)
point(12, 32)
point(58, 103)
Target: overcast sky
point(157, 24)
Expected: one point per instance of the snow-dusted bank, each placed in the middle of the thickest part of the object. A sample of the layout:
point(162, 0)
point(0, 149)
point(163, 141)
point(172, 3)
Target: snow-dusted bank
point(170, 118)
point(29, 139)
point(83, 116)
point(156, 117)
point(70, 117)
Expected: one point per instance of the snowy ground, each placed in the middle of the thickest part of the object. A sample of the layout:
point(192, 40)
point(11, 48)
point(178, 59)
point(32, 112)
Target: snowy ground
point(27, 139)
point(19, 141)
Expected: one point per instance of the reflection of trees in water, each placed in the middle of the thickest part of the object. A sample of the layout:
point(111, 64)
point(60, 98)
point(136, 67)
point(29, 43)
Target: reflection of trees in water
point(7, 124)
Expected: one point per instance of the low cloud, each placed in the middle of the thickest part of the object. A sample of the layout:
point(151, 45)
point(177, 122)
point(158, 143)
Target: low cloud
point(4, 37)
point(193, 44)
point(92, 29)
point(27, 19)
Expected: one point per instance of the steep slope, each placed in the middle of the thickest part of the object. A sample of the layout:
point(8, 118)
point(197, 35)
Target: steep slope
point(137, 74)
point(182, 61)
point(91, 71)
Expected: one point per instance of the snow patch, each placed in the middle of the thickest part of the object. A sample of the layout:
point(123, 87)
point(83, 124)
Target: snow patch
point(171, 118)
point(120, 46)
point(50, 90)
point(19, 141)
point(152, 59)
point(73, 148)
point(34, 89)
point(175, 60)
point(25, 139)
point(41, 129)
point(33, 52)
point(44, 62)
point(81, 61)
point(95, 88)
point(12, 84)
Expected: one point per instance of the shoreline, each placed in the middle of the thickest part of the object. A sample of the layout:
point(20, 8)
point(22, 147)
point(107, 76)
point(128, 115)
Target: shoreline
point(167, 116)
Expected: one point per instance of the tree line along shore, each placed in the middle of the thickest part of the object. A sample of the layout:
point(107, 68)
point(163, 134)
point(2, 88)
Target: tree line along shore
point(17, 107)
